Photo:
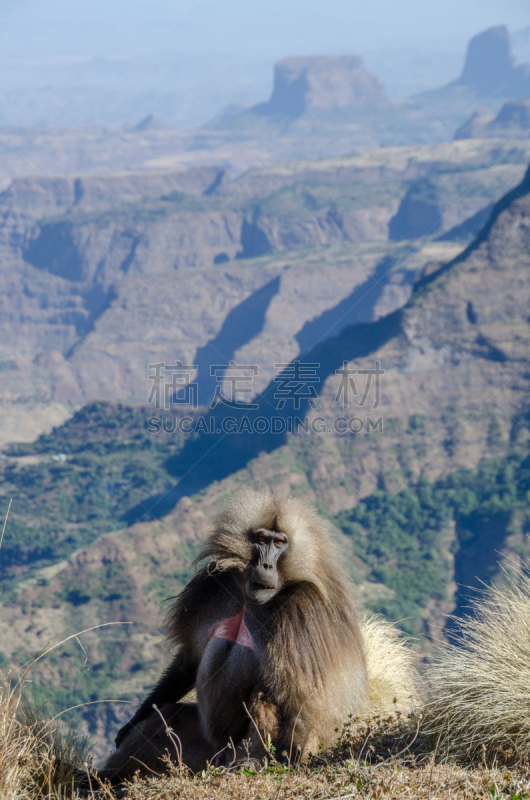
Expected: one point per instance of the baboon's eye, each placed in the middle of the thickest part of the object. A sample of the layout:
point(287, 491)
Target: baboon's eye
point(267, 538)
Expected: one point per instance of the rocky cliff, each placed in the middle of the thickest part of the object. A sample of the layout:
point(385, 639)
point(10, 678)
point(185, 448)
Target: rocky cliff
point(512, 122)
point(310, 84)
point(490, 67)
point(431, 499)
point(490, 77)
point(103, 275)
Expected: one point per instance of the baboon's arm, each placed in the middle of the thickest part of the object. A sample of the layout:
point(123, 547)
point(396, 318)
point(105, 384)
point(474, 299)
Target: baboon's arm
point(206, 600)
point(175, 682)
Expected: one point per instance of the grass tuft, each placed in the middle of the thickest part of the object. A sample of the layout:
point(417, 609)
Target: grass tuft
point(480, 700)
point(36, 760)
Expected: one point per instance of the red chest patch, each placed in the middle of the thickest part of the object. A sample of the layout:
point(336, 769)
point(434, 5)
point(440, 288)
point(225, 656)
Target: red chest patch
point(234, 630)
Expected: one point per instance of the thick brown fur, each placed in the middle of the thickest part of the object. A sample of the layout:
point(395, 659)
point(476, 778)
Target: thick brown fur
point(147, 747)
point(306, 672)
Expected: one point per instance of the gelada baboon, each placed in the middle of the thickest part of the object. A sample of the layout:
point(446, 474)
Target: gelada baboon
point(267, 632)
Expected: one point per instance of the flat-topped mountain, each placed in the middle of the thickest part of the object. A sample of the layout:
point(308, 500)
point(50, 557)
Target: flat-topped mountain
point(311, 83)
point(320, 106)
point(317, 97)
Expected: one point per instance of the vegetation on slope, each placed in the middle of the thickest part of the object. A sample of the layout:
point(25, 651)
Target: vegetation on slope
point(400, 537)
point(111, 464)
point(413, 543)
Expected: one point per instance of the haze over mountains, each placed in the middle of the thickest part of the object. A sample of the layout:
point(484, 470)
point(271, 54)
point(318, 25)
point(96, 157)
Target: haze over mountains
point(319, 106)
point(304, 86)
point(323, 222)
point(512, 122)
point(53, 77)
point(490, 67)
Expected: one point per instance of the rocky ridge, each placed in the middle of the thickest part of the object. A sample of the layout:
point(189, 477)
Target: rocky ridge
point(103, 275)
point(454, 391)
point(512, 122)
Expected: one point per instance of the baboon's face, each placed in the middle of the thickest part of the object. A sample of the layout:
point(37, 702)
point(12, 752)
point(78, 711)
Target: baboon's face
point(264, 572)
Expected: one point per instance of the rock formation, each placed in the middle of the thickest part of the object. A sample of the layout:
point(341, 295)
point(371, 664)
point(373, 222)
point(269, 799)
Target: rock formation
point(474, 127)
point(491, 69)
point(512, 122)
point(125, 270)
point(311, 83)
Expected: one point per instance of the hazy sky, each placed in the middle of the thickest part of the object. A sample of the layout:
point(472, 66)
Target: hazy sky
point(186, 59)
point(255, 28)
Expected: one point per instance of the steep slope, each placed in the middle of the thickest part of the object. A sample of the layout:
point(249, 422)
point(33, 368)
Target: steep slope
point(121, 271)
point(435, 494)
point(490, 67)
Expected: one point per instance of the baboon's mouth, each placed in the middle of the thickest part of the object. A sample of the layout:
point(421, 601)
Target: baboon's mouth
point(255, 585)
point(259, 592)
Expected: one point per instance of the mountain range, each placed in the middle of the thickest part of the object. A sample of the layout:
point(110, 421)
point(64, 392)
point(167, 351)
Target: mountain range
point(103, 275)
point(109, 508)
point(367, 263)
point(320, 106)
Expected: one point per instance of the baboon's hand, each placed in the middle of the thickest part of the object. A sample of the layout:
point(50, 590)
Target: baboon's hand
point(123, 733)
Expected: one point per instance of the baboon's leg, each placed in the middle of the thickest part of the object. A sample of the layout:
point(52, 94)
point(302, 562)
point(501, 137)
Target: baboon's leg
point(144, 748)
point(268, 726)
point(264, 726)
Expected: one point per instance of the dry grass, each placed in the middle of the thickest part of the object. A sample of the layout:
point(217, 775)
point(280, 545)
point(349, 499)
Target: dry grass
point(367, 782)
point(384, 757)
point(374, 762)
point(394, 683)
point(36, 760)
point(480, 686)
point(18, 747)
